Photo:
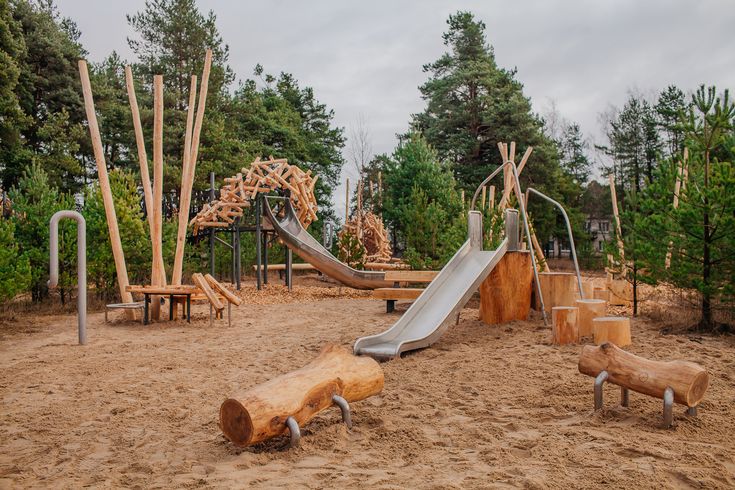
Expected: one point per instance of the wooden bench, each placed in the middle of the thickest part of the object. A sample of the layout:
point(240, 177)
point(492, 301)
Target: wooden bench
point(281, 268)
point(399, 291)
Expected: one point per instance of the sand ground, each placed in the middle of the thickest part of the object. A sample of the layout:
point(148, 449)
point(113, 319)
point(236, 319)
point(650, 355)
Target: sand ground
point(487, 406)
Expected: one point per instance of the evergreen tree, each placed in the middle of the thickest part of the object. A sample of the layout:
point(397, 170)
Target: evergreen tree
point(574, 158)
point(702, 229)
point(671, 102)
point(15, 271)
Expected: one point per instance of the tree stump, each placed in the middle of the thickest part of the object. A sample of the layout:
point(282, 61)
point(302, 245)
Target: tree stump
point(621, 292)
point(589, 309)
point(564, 325)
point(261, 412)
point(506, 293)
point(615, 329)
point(558, 289)
point(588, 288)
point(688, 380)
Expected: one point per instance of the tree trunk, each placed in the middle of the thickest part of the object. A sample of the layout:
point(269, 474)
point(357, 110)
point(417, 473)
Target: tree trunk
point(615, 329)
point(589, 309)
point(688, 380)
point(506, 293)
point(261, 412)
point(564, 325)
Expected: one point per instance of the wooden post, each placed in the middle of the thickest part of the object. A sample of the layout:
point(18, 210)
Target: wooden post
point(601, 293)
point(506, 293)
point(688, 380)
point(158, 275)
point(618, 229)
point(261, 412)
point(491, 199)
point(186, 188)
point(588, 310)
point(99, 156)
point(558, 289)
point(564, 325)
point(677, 190)
point(615, 329)
point(347, 201)
point(380, 191)
point(140, 143)
point(484, 194)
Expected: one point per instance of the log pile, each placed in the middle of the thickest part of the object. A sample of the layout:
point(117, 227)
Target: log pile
point(262, 177)
point(371, 232)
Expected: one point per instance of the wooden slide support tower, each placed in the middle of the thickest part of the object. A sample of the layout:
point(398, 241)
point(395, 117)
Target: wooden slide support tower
point(99, 156)
point(674, 381)
point(291, 400)
point(505, 295)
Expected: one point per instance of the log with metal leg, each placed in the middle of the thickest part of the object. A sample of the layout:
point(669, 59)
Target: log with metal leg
point(680, 382)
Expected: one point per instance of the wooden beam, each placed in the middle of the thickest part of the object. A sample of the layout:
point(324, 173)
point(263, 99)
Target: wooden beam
point(99, 156)
point(411, 276)
point(204, 286)
point(397, 293)
point(186, 186)
point(226, 293)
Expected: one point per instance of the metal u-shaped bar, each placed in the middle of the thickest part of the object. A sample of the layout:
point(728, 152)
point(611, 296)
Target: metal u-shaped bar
point(569, 232)
point(81, 265)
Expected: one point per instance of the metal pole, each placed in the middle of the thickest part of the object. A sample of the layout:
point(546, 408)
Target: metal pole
point(289, 269)
point(239, 254)
point(265, 258)
point(81, 265)
point(569, 231)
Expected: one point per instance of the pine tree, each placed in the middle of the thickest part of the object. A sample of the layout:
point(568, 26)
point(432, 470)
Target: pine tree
point(574, 158)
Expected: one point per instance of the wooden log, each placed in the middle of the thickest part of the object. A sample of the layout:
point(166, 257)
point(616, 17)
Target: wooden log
point(261, 412)
point(99, 157)
point(615, 329)
point(186, 186)
point(506, 293)
point(226, 293)
point(564, 325)
point(203, 88)
point(588, 310)
point(688, 380)
point(621, 292)
point(618, 229)
point(558, 289)
point(202, 283)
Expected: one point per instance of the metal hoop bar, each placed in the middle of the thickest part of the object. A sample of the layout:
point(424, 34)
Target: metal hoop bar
point(344, 408)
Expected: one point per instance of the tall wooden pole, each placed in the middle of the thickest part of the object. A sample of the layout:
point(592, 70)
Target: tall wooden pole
point(99, 156)
point(618, 229)
point(347, 201)
point(158, 274)
point(140, 143)
point(677, 190)
point(189, 167)
point(186, 186)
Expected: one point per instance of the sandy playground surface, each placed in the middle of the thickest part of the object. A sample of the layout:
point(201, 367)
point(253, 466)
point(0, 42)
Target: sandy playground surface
point(487, 406)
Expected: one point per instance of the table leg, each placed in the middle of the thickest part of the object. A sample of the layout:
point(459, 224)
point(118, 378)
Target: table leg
point(146, 300)
point(170, 307)
point(188, 308)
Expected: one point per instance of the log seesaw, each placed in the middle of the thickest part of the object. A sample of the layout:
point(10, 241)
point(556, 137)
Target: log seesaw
point(287, 402)
point(674, 381)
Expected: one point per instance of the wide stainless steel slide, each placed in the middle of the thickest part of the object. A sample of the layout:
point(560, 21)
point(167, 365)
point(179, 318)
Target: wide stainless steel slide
point(431, 314)
point(299, 240)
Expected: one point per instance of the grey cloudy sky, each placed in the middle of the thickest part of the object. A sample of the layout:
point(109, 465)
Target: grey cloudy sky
point(365, 58)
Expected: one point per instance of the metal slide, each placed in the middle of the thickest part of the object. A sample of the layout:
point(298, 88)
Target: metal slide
point(299, 240)
point(430, 315)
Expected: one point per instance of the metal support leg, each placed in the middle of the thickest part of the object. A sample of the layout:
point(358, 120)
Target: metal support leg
point(229, 314)
point(668, 407)
point(345, 408)
point(258, 244)
point(390, 305)
point(211, 320)
point(289, 268)
point(238, 255)
point(171, 307)
point(599, 382)
point(293, 428)
point(624, 396)
point(692, 411)
point(265, 258)
point(188, 308)
point(146, 300)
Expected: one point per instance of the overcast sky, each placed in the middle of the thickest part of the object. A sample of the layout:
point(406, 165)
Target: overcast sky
point(364, 58)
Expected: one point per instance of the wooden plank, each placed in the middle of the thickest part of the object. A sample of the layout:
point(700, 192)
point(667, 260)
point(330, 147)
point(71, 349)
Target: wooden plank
point(204, 286)
point(228, 295)
point(382, 266)
point(411, 276)
point(397, 293)
point(99, 156)
point(186, 185)
point(161, 290)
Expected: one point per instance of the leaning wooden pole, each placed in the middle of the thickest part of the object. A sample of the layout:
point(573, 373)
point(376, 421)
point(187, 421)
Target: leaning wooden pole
point(618, 229)
point(186, 187)
point(145, 178)
point(677, 190)
point(189, 170)
point(99, 156)
point(158, 274)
